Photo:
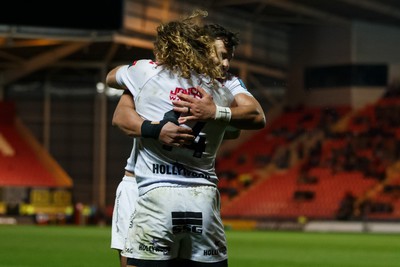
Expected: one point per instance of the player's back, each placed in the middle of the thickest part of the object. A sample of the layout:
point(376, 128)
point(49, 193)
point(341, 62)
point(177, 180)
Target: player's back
point(159, 165)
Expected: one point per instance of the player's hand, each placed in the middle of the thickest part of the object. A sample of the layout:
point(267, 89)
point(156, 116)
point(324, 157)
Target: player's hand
point(191, 108)
point(175, 135)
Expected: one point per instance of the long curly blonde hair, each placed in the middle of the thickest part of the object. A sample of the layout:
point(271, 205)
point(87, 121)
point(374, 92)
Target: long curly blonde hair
point(184, 46)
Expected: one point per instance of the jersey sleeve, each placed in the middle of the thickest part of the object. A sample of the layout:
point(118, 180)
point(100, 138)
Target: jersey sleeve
point(121, 75)
point(135, 75)
point(236, 86)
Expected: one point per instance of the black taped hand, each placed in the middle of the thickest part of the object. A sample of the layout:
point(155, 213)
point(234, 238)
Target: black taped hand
point(152, 129)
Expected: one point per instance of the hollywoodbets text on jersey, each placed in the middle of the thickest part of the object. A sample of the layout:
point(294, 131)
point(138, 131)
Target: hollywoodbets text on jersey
point(177, 170)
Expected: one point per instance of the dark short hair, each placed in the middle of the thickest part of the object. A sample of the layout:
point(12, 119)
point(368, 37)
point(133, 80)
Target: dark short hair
point(216, 31)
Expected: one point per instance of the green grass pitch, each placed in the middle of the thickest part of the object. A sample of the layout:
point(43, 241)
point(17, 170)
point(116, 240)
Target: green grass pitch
point(88, 246)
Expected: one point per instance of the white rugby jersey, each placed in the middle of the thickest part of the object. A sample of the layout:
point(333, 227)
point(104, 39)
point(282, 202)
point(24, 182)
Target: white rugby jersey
point(235, 85)
point(153, 88)
point(131, 161)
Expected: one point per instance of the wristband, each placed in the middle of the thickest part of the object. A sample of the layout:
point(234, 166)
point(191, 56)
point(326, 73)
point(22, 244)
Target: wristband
point(223, 113)
point(152, 129)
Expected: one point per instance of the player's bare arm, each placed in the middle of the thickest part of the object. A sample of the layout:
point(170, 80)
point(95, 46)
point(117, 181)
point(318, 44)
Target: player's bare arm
point(129, 122)
point(111, 79)
point(246, 112)
point(125, 116)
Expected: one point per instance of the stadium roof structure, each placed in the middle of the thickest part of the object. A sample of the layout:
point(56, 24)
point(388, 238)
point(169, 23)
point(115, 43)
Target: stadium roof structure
point(291, 12)
point(27, 51)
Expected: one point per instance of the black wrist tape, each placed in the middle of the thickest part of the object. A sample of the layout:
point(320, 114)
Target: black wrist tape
point(152, 129)
point(172, 116)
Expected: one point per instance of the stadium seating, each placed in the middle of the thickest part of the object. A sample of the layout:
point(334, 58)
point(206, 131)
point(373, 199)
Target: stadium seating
point(313, 186)
point(20, 161)
point(22, 168)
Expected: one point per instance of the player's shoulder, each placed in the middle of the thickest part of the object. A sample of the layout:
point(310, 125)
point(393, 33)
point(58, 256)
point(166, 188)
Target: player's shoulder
point(232, 80)
point(143, 68)
point(230, 76)
point(143, 63)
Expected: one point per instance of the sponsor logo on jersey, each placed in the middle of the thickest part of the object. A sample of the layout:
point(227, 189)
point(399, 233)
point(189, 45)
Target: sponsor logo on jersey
point(128, 250)
point(220, 249)
point(155, 248)
point(134, 63)
point(177, 170)
point(187, 222)
point(189, 91)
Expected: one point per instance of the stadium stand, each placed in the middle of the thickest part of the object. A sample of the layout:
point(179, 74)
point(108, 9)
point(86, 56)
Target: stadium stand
point(334, 164)
point(23, 161)
point(31, 181)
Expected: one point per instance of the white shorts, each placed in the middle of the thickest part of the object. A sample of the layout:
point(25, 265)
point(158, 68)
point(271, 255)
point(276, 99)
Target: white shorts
point(124, 206)
point(177, 222)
